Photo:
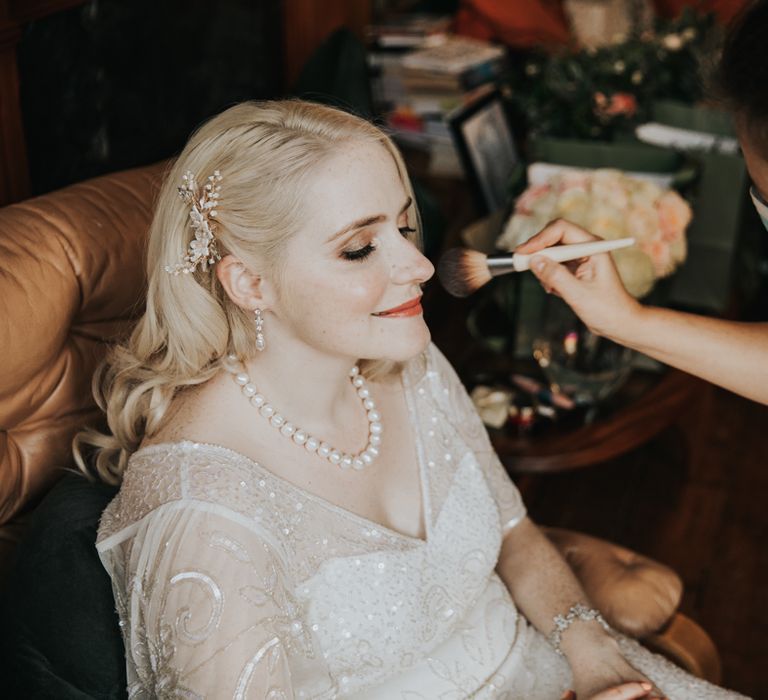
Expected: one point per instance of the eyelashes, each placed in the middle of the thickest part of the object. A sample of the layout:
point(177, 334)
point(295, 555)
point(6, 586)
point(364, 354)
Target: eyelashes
point(366, 250)
point(359, 254)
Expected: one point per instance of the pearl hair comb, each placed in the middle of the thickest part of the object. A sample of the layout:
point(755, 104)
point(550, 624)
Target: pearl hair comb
point(202, 248)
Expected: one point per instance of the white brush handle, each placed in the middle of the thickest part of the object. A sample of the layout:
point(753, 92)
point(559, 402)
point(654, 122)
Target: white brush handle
point(573, 251)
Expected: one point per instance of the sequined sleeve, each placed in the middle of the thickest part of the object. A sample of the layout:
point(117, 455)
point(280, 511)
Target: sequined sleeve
point(448, 389)
point(207, 609)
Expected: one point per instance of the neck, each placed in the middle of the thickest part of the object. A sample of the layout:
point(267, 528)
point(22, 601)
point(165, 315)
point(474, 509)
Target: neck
point(307, 386)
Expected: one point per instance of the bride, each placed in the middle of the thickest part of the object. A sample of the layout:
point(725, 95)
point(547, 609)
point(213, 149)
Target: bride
point(309, 504)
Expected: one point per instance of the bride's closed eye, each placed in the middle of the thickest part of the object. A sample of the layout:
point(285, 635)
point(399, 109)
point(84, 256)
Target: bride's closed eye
point(366, 250)
point(360, 253)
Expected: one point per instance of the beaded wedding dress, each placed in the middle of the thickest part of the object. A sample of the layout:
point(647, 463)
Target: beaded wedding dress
point(231, 582)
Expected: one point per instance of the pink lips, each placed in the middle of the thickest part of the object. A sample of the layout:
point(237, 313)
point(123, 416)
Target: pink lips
point(410, 308)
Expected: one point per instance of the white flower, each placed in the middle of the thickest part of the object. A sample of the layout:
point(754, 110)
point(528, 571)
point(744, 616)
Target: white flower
point(642, 222)
point(679, 250)
point(636, 270)
point(610, 189)
point(492, 405)
point(637, 77)
point(690, 33)
point(606, 221)
point(574, 205)
point(518, 229)
point(619, 66)
point(531, 69)
point(672, 42)
point(645, 193)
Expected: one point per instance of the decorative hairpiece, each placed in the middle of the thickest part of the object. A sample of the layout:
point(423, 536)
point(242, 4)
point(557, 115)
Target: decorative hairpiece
point(202, 248)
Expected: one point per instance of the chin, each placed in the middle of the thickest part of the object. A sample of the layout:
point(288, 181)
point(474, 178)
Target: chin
point(402, 347)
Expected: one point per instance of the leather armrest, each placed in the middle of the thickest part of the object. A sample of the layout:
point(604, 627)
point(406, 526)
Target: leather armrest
point(636, 595)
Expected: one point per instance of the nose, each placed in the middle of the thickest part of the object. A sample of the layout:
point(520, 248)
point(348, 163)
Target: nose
point(409, 264)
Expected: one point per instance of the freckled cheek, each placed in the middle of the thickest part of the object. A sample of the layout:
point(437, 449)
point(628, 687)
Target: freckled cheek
point(344, 298)
point(364, 296)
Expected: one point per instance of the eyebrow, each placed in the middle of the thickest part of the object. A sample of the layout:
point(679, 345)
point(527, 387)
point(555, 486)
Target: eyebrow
point(367, 221)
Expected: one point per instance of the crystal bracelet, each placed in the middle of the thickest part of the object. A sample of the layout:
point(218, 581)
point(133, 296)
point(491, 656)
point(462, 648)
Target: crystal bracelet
point(563, 622)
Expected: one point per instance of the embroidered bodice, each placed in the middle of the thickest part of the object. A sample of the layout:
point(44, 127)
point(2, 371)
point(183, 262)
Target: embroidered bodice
point(353, 601)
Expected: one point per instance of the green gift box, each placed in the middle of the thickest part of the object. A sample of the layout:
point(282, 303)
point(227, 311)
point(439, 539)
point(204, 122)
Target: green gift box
point(706, 279)
point(695, 118)
point(719, 196)
point(630, 156)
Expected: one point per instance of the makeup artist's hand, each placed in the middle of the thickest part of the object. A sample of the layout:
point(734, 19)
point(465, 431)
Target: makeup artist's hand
point(591, 286)
point(626, 691)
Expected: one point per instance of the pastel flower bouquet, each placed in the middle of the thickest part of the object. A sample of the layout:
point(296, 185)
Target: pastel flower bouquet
point(609, 204)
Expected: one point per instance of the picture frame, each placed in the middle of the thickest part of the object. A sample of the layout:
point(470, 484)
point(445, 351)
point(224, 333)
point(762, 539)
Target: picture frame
point(487, 149)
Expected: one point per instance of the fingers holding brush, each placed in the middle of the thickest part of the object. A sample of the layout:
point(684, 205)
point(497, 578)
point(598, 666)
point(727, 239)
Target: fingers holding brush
point(593, 290)
point(556, 232)
point(561, 232)
point(557, 278)
point(463, 271)
point(590, 285)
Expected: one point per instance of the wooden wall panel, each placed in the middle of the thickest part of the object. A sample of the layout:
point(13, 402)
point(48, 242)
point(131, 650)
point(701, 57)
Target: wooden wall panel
point(306, 24)
point(14, 169)
point(14, 173)
point(22, 11)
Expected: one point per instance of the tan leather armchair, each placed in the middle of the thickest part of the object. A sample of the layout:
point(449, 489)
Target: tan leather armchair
point(72, 280)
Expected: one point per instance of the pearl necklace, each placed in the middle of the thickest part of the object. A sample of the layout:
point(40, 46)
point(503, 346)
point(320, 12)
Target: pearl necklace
point(302, 438)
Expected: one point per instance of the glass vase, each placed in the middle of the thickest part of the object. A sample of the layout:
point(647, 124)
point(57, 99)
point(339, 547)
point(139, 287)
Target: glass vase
point(575, 361)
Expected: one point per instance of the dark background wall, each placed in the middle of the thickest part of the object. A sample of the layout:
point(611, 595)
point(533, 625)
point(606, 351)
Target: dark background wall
point(115, 83)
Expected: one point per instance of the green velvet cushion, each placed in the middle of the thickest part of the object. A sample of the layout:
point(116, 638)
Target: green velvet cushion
point(59, 635)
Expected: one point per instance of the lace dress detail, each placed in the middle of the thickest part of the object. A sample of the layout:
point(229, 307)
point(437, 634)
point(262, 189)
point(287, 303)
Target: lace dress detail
point(231, 582)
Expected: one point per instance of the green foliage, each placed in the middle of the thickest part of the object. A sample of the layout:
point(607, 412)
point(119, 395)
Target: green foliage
point(603, 93)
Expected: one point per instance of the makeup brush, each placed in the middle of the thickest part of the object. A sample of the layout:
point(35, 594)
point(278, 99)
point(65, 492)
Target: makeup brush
point(463, 271)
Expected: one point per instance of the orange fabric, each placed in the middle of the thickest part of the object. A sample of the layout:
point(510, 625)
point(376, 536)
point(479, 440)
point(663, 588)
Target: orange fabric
point(521, 24)
point(71, 280)
point(725, 10)
point(543, 23)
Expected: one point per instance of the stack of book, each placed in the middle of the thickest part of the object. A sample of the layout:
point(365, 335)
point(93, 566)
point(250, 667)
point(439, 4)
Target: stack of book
point(388, 43)
point(453, 65)
point(407, 31)
point(419, 89)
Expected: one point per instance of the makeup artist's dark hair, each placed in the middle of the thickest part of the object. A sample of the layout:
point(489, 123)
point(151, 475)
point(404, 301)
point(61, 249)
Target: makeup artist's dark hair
point(742, 76)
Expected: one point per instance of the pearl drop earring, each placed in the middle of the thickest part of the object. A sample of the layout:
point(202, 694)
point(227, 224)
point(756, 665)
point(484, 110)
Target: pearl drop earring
point(260, 344)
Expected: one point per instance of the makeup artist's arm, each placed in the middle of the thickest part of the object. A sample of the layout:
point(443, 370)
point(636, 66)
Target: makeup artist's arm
point(543, 585)
point(731, 354)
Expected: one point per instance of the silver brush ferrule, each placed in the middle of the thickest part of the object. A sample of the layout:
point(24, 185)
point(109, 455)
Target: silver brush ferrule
point(500, 264)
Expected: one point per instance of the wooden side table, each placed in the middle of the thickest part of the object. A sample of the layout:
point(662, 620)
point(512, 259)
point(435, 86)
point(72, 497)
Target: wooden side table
point(654, 408)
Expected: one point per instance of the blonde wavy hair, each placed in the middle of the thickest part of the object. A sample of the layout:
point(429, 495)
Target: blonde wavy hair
point(265, 152)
